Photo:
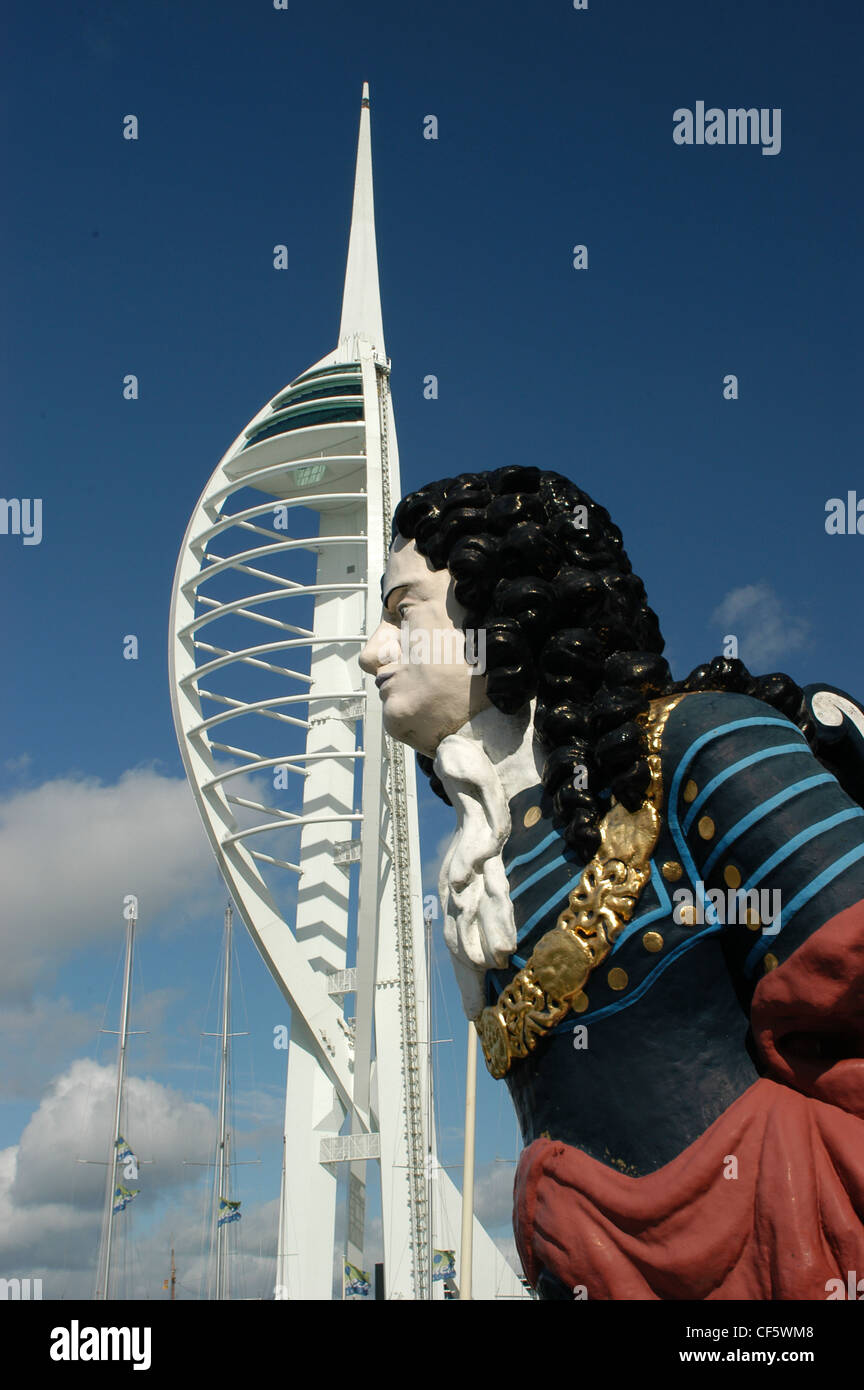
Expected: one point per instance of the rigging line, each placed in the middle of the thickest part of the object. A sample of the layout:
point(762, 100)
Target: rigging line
point(204, 1226)
point(146, 1120)
point(448, 1022)
point(434, 1015)
point(442, 1004)
point(498, 1122)
point(450, 1240)
point(216, 1245)
point(117, 966)
point(203, 1253)
point(137, 1280)
point(237, 977)
point(84, 1125)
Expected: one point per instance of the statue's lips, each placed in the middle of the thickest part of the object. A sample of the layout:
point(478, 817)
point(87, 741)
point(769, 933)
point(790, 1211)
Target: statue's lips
point(380, 680)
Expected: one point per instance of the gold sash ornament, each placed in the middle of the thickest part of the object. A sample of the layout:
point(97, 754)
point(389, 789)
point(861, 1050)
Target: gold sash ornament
point(551, 982)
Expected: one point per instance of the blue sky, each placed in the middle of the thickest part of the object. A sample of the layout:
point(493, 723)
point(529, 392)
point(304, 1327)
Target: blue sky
point(155, 257)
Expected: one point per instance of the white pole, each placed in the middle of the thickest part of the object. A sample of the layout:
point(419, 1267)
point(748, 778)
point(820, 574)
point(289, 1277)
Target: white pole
point(105, 1264)
point(466, 1258)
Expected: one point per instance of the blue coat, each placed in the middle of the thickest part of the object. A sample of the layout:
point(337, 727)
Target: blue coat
point(664, 1045)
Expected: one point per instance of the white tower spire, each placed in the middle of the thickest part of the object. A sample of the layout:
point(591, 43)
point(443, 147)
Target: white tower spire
point(311, 809)
point(361, 298)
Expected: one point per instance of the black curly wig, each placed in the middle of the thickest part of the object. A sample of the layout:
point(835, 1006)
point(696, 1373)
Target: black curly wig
point(542, 568)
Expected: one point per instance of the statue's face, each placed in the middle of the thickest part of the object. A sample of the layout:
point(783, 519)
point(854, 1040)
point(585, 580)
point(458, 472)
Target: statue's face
point(417, 653)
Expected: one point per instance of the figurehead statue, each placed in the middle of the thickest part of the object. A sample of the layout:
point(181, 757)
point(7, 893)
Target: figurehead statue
point(654, 899)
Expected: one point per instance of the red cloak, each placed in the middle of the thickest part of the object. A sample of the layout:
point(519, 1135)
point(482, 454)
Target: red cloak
point(769, 1202)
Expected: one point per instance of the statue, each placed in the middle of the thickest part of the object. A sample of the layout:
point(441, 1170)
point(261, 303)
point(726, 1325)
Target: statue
point(653, 900)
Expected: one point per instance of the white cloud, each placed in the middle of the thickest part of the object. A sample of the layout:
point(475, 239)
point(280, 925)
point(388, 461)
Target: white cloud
point(17, 765)
point(58, 1242)
point(71, 849)
point(75, 1119)
point(36, 1034)
point(767, 632)
point(51, 1206)
point(493, 1196)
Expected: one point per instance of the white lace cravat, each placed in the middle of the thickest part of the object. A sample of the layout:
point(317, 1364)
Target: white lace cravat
point(479, 927)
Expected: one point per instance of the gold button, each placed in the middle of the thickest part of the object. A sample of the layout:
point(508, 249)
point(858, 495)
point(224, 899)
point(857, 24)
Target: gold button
point(687, 915)
point(618, 978)
point(771, 962)
point(580, 1003)
point(691, 791)
point(706, 827)
point(672, 870)
point(531, 817)
point(732, 876)
point(652, 941)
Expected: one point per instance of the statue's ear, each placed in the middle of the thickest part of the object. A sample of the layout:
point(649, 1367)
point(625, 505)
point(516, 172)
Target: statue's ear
point(836, 735)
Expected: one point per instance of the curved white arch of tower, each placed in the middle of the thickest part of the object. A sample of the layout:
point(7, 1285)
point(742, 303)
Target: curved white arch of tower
point(296, 782)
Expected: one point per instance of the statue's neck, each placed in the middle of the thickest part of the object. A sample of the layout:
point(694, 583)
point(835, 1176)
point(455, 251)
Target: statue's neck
point(509, 743)
point(482, 766)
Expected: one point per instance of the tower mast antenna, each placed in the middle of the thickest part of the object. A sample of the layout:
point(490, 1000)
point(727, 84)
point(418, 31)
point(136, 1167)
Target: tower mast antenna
point(361, 296)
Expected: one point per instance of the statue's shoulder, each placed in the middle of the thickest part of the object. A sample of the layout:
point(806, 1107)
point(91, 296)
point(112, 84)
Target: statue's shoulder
point(708, 730)
point(703, 710)
point(752, 802)
point(712, 729)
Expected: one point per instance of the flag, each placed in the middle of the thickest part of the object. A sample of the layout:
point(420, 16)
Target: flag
point(356, 1282)
point(123, 1196)
point(123, 1154)
point(443, 1264)
point(165, 1283)
point(229, 1211)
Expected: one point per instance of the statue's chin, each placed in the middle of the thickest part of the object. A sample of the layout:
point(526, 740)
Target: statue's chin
point(405, 730)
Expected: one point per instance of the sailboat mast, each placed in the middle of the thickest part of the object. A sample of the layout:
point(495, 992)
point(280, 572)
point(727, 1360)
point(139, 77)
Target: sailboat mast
point(222, 1159)
point(105, 1260)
